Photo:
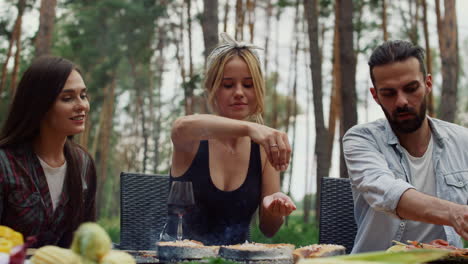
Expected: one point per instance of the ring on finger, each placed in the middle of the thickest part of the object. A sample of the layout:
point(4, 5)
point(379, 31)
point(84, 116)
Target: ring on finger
point(274, 146)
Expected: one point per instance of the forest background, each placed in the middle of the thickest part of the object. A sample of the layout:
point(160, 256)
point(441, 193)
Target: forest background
point(143, 65)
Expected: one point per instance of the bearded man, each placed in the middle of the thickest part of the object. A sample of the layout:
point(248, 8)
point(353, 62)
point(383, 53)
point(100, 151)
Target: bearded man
point(409, 172)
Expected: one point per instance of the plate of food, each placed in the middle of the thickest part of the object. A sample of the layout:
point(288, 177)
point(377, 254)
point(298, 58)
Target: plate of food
point(318, 251)
point(184, 250)
point(279, 253)
point(455, 255)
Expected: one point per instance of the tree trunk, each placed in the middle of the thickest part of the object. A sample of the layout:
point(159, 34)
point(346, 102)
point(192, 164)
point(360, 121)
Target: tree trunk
point(46, 27)
point(275, 122)
point(410, 20)
point(294, 93)
point(384, 20)
point(140, 98)
point(104, 141)
point(239, 34)
point(9, 50)
point(308, 175)
point(210, 25)
point(14, 74)
point(226, 15)
point(335, 101)
point(179, 44)
point(348, 72)
point(160, 71)
point(189, 31)
point(269, 12)
point(321, 140)
point(251, 18)
point(448, 44)
point(430, 97)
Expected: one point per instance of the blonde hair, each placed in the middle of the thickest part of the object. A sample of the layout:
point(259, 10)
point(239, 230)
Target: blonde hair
point(216, 62)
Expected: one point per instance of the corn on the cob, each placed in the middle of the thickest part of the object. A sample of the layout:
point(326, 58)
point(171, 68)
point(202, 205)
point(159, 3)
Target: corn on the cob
point(404, 257)
point(117, 257)
point(5, 245)
point(91, 241)
point(55, 255)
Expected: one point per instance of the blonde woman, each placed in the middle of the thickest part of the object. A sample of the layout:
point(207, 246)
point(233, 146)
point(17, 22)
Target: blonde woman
point(231, 158)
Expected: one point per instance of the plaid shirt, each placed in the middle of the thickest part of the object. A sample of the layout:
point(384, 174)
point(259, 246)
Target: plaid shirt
point(26, 204)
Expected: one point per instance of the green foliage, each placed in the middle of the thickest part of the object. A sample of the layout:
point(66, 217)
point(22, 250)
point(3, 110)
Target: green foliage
point(326, 8)
point(295, 232)
point(112, 227)
point(285, 3)
point(191, 85)
point(283, 101)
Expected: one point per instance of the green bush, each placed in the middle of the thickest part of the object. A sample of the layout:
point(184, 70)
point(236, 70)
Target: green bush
point(112, 227)
point(295, 232)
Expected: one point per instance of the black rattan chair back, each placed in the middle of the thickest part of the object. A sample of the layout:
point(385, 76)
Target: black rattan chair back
point(143, 209)
point(337, 224)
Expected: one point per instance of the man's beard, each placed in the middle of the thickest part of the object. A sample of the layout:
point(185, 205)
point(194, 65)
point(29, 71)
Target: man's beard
point(408, 125)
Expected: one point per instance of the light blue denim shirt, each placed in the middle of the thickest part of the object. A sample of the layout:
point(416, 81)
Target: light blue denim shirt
point(380, 174)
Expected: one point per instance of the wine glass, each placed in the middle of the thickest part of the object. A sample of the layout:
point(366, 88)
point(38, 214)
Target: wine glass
point(180, 201)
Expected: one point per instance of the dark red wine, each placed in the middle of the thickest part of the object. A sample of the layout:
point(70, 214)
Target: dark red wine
point(179, 209)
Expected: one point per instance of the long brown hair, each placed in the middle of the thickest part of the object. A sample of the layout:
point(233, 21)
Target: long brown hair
point(37, 91)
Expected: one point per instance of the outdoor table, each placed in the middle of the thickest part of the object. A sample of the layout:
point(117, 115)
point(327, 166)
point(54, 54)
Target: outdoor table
point(144, 256)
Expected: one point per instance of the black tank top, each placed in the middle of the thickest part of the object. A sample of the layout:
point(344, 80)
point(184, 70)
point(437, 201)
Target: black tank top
point(220, 217)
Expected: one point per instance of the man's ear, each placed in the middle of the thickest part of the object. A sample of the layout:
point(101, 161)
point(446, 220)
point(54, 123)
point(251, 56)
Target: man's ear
point(374, 94)
point(428, 82)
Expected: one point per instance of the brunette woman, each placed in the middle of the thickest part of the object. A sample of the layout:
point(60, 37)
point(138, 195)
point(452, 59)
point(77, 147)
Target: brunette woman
point(47, 182)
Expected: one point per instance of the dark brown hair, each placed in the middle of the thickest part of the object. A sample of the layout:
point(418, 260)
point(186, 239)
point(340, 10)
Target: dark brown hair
point(393, 51)
point(36, 93)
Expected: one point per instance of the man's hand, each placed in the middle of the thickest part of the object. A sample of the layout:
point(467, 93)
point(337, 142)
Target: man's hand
point(278, 204)
point(458, 215)
point(421, 207)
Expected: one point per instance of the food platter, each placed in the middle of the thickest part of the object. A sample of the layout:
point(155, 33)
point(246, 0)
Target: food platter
point(248, 253)
point(318, 251)
point(258, 253)
point(185, 250)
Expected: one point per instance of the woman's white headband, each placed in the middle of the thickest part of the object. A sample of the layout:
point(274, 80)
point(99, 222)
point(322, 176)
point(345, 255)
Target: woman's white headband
point(227, 44)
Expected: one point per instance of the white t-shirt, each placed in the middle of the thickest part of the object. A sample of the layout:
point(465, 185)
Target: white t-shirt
point(55, 178)
point(422, 170)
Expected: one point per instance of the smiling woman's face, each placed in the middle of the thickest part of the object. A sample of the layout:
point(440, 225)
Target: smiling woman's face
point(69, 111)
point(236, 96)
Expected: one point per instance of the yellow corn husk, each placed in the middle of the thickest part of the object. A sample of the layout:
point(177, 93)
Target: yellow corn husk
point(55, 255)
point(6, 232)
point(91, 241)
point(382, 257)
point(87, 261)
point(5, 245)
point(17, 239)
point(397, 248)
point(117, 257)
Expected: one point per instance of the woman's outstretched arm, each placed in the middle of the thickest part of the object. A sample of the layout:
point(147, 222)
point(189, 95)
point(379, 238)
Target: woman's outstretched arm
point(187, 131)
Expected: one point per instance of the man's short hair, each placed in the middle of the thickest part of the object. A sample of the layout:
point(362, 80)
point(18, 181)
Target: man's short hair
point(393, 51)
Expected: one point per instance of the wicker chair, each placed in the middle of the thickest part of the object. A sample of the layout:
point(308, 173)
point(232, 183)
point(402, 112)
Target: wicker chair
point(143, 201)
point(337, 224)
